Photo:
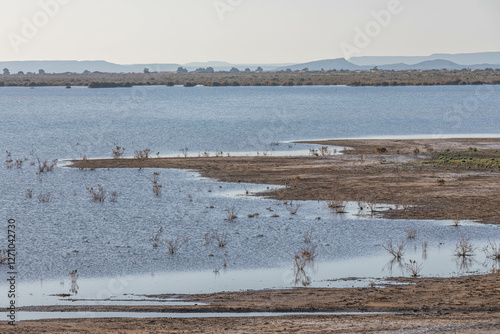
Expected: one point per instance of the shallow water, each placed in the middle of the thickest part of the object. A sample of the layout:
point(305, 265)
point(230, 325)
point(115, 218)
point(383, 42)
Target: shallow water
point(111, 242)
point(25, 316)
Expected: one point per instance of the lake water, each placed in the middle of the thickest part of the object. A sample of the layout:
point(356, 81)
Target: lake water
point(110, 243)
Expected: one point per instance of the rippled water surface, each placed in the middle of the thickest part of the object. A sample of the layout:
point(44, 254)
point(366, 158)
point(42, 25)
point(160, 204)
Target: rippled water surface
point(111, 240)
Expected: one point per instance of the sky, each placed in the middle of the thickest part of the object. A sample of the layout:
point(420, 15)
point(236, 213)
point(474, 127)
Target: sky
point(243, 31)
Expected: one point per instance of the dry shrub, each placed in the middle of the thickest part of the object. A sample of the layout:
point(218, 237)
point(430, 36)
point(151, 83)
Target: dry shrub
point(395, 250)
point(174, 245)
point(118, 152)
point(464, 247)
point(99, 194)
point(144, 154)
point(292, 208)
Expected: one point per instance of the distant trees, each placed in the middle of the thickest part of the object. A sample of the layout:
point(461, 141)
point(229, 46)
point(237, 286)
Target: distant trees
point(259, 69)
point(248, 70)
point(6, 71)
point(41, 71)
point(181, 70)
point(86, 72)
point(205, 70)
point(20, 72)
point(234, 70)
point(146, 70)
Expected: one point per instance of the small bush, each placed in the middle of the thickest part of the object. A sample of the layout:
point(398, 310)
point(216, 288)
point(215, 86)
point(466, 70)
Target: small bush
point(395, 250)
point(118, 152)
point(174, 245)
point(232, 213)
point(464, 247)
point(293, 208)
point(144, 154)
point(380, 150)
point(99, 194)
point(44, 198)
point(413, 268)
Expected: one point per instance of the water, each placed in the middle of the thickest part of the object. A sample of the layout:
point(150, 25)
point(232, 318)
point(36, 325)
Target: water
point(110, 243)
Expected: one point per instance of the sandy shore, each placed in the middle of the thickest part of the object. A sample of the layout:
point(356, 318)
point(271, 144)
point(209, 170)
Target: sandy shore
point(470, 189)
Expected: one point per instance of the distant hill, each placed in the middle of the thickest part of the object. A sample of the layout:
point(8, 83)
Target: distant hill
point(342, 64)
point(63, 66)
point(327, 64)
point(436, 61)
point(460, 58)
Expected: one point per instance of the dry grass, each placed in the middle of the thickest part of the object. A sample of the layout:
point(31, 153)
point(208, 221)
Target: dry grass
point(141, 155)
point(157, 188)
point(99, 194)
point(44, 198)
point(292, 207)
point(337, 206)
point(413, 268)
point(308, 235)
point(117, 152)
point(45, 166)
point(174, 245)
point(232, 213)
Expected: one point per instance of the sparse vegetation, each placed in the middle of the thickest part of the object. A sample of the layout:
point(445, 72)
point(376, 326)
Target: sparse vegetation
point(413, 268)
point(395, 250)
point(292, 207)
point(232, 213)
point(258, 78)
point(144, 154)
point(173, 245)
point(303, 257)
point(337, 205)
point(44, 198)
point(45, 166)
point(308, 235)
point(99, 194)
point(412, 233)
point(118, 152)
point(464, 247)
point(492, 250)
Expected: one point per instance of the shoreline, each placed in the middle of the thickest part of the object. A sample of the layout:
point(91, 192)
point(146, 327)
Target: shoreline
point(408, 173)
point(389, 171)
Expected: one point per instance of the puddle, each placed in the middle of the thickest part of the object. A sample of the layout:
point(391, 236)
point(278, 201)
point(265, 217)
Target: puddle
point(26, 316)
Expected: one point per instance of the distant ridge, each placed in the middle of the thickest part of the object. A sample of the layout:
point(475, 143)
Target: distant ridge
point(436, 61)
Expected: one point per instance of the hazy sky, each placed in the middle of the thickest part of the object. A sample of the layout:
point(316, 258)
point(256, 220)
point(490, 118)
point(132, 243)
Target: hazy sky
point(241, 31)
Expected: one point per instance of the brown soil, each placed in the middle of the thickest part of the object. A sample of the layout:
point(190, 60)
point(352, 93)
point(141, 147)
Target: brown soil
point(395, 177)
point(458, 305)
point(424, 305)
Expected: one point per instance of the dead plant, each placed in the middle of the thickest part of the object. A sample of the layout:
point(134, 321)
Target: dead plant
point(232, 213)
point(117, 152)
point(395, 250)
point(464, 247)
point(292, 207)
point(174, 245)
point(413, 268)
point(99, 194)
